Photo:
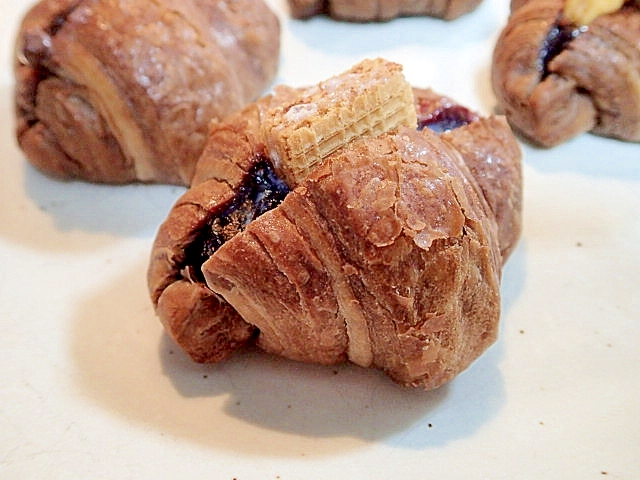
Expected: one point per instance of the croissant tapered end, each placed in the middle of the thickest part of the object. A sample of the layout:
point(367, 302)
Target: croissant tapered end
point(555, 79)
point(119, 91)
point(490, 151)
point(380, 10)
point(194, 317)
point(493, 157)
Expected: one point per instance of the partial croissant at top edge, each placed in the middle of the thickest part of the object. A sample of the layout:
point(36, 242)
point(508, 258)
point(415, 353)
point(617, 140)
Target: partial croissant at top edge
point(380, 10)
point(386, 253)
point(555, 79)
point(117, 91)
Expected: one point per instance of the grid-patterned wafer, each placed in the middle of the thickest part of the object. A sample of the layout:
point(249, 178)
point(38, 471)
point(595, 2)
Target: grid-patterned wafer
point(370, 99)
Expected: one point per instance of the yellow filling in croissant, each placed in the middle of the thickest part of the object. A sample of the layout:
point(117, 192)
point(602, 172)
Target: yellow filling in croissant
point(583, 12)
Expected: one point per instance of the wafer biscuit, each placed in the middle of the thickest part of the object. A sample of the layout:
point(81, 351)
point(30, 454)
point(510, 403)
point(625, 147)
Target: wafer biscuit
point(370, 99)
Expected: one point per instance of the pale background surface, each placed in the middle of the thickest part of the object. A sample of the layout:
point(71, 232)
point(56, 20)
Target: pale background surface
point(91, 388)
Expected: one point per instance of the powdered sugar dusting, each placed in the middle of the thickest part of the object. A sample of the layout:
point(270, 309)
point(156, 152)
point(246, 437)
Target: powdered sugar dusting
point(300, 112)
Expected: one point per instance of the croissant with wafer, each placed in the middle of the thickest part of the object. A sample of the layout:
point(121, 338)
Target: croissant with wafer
point(565, 67)
point(386, 252)
point(119, 91)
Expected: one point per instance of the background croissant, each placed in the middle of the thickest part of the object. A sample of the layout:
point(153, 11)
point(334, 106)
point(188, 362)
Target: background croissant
point(555, 79)
point(388, 254)
point(380, 10)
point(119, 91)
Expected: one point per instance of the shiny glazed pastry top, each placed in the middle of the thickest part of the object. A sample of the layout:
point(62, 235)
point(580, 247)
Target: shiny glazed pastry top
point(119, 91)
point(565, 67)
point(387, 252)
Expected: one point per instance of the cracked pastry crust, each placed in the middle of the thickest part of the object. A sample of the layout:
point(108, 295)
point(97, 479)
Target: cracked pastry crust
point(387, 254)
point(380, 10)
point(555, 79)
point(119, 91)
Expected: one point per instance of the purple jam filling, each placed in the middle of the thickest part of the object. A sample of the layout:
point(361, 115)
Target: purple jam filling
point(261, 191)
point(554, 43)
point(446, 118)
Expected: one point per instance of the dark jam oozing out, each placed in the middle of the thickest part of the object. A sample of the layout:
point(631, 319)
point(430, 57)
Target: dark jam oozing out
point(444, 117)
point(262, 190)
point(554, 43)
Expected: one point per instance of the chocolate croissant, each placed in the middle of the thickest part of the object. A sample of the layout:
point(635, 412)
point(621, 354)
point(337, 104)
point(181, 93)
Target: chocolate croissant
point(380, 10)
point(557, 74)
point(386, 253)
point(119, 91)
